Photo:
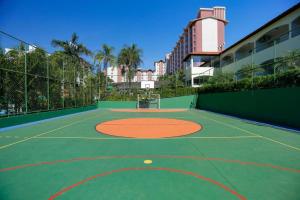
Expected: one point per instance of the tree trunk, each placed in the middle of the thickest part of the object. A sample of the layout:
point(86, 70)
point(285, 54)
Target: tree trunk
point(99, 83)
point(129, 80)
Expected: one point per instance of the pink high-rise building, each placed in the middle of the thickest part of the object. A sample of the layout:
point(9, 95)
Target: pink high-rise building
point(200, 52)
point(201, 39)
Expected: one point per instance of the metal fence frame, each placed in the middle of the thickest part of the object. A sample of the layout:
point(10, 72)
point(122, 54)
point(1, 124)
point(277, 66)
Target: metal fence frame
point(29, 84)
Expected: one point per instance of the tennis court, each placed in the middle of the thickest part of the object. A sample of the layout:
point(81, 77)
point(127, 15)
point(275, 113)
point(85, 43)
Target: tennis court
point(226, 158)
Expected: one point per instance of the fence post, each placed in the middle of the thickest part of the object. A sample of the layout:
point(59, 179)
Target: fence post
point(75, 84)
point(63, 82)
point(82, 90)
point(6, 91)
point(25, 82)
point(90, 77)
point(99, 84)
point(176, 79)
point(48, 88)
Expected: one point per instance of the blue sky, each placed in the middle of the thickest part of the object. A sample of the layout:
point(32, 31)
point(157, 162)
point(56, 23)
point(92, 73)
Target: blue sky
point(154, 25)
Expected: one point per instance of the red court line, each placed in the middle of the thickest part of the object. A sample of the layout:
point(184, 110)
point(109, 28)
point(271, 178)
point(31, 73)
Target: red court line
point(220, 185)
point(263, 165)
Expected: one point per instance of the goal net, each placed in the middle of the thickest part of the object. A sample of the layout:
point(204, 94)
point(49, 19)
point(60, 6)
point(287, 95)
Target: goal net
point(148, 100)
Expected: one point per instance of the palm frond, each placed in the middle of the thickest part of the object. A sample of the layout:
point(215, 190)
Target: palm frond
point(74, 38)
point(105, 56)
point(59, 43)
point(83, 50)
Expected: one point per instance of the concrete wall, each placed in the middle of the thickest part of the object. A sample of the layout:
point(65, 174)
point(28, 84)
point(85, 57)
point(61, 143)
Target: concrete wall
point(209, 35)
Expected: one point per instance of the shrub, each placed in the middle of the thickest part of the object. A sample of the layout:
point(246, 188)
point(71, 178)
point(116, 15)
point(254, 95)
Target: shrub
point(289, 78)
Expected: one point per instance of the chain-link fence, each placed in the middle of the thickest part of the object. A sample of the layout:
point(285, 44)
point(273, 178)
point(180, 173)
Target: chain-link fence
point(33, 80)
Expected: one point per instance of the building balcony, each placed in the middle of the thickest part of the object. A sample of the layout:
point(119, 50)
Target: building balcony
point(278, 48)
point(196, 69)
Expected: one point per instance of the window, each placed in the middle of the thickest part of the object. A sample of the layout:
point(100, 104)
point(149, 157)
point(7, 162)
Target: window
point(197, 81)
point(276, 35)
point(244, 51)
point(228, 59)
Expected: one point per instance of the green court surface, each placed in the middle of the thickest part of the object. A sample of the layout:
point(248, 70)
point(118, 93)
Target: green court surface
point(229, 158)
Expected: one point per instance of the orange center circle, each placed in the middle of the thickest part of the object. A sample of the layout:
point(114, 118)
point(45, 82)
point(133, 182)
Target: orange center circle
point(148, 127)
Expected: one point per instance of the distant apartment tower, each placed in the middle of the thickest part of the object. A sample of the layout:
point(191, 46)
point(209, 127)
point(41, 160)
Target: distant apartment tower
point(115, 73)
point(143, 75)
point(202, 38)
point(167, 63)
point(160, 68)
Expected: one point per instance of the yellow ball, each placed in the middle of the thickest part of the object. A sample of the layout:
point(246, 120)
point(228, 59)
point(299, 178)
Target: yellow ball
point(147, 161)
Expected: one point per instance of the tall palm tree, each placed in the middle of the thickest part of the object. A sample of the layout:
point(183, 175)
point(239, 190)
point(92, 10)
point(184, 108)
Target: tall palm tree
point(74, 50)
point(72, 47)
point(106, 58)
point(129, 59)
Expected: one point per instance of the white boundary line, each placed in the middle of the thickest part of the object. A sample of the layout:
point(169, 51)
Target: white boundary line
point(251, 133)
point(43, 121)
point(44, 133)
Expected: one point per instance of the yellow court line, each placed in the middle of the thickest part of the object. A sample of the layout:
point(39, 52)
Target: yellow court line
point(10, 136)
point(174, 138)
point(44, 133)
point(254, 134)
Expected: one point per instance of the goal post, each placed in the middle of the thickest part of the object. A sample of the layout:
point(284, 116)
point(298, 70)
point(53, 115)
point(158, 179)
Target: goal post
point(148, 100)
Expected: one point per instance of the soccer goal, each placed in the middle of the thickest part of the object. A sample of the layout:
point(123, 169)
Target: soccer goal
point(147, 99)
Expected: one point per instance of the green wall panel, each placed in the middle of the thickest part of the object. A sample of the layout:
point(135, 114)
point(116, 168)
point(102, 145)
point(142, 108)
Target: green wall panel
point(279, 106)
point(117, 104)
point(21, 119)
point(179, 102)
point(174, 102)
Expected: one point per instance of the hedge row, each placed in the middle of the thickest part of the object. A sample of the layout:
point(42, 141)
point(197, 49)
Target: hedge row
point(289, 78)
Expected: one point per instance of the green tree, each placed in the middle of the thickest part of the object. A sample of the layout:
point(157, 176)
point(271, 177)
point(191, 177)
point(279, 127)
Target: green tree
point(76, 69)
point(180, 78)
point(37, 79)
point(72, 47)
point(129, 59)
point(221, 78)
point(106, 58)
point(290, 61)
point(12, 80)
point(249, 71)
